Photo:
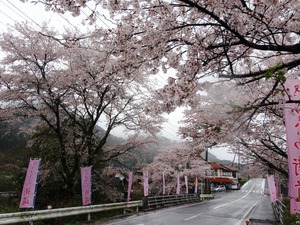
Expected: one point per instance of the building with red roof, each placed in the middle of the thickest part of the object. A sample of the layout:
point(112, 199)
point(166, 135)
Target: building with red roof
point(223, 174)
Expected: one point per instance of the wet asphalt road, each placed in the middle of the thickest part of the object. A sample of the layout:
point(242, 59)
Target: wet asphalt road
point(228, 208)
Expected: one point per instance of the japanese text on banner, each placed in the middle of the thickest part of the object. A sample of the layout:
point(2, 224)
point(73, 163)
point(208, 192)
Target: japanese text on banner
point(130, 177)
point(292, 123)
point(146, 185)
point(272, 188)
point(29, 187)
point(86, 185)
point(178, 185)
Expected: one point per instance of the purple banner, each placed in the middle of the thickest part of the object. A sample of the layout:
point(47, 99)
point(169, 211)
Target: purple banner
point(178, 186)
point(196, 185)
point(86, 185)
point(146, 185)
point(29, 187)
point(186, 184)
point(292, 123)
point(277, 187)
point(164, 183)
point(294, 206)
point(272, 188)
point(130, 177)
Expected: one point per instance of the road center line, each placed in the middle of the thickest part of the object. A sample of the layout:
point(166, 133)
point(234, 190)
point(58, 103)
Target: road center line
point(192, 217)
point(235, 200)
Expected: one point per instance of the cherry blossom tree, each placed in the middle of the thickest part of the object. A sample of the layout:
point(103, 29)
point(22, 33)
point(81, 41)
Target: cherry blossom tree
point(69, 87)
point(250, 47)
point(227, 39)
point(179, 159)
point(221, 118)
point(265, 142)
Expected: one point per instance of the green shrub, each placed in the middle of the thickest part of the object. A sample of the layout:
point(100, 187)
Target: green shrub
point(9, 204)
point(288, 219)
point(6, 183)
point(243, 180)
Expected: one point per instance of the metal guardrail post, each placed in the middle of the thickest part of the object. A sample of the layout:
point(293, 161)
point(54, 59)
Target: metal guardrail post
point(145, 201)
point(279, 209)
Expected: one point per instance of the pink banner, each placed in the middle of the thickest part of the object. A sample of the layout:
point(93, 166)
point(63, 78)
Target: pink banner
point(186, 184)
point(277, 187)
point(130, 177)
point(292, 123)
point(86, 185)
point(164, 183)
point(178, 186)
point(196, 185)
point(146, 185)
point(272, 188)
point(29, 187)
point(294, 206)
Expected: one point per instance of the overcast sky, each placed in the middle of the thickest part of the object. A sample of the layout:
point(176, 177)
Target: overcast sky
point(12, 11)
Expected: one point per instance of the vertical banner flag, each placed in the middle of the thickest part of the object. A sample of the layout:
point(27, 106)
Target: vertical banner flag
point(130, 177)
point(186, 184)
point(178, 185)
point(272, 188)
point(196, 185)
point(164, 183)
point(292, 124)
point(146, 185)
point(30, 184)
point(86, 185)
point(277, 187)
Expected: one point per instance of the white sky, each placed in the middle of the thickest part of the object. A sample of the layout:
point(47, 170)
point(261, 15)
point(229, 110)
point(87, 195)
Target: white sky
point(12, 11)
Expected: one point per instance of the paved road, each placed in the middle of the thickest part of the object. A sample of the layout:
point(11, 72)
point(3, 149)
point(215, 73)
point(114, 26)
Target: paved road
point(229, 208)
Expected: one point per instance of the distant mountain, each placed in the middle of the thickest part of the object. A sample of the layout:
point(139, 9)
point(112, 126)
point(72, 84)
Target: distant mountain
point(214, 158)
point(12, 143)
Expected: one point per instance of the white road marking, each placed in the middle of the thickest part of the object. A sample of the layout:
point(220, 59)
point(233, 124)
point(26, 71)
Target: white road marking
point(203, 215)
point(192, 217)
point(248, 192)
point(243, 219)
point(158, 212)
point(235, 200)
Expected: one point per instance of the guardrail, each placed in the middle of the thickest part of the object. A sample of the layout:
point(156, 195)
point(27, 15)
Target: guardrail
point(8, 194)
point(207, 196)
point(29, 216)
point(278, 210)
point(154, 202)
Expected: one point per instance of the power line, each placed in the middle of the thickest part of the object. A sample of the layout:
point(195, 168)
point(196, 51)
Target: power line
point(165, 131)
point(24, 14)
point(27, 17)
point(8, 16)
point(98, 17)
point(3, 23)
point(11, 9)
point(88, 17)
point(67, 20)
